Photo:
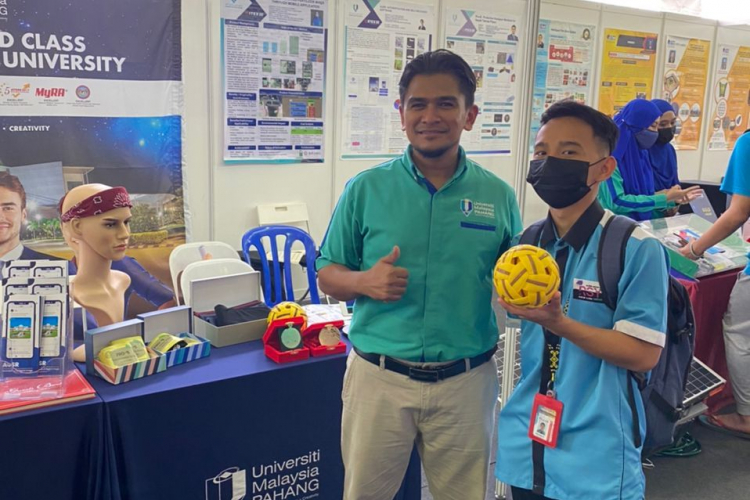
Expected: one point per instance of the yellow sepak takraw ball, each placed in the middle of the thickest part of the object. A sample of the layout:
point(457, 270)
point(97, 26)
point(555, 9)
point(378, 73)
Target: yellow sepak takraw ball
point(287, 310)
point(526, 276)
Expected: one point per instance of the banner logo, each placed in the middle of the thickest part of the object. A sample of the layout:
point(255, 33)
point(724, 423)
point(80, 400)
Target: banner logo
point(83, 92)
point(50, 93)
point(229, 484)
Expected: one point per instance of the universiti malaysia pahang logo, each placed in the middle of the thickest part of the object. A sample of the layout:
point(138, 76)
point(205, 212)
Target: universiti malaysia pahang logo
point(467, 206)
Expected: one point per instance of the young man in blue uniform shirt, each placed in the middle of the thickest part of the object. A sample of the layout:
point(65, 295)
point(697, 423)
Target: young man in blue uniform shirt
point(576, 350)
point(414, 241)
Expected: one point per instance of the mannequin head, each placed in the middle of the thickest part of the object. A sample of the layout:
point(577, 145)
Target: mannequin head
point(95, 221)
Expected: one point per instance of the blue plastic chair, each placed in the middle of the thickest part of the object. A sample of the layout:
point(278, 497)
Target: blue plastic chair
point(254, 237)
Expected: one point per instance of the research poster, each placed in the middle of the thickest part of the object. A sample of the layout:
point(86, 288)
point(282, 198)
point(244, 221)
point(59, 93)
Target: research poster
point(564, 66)
point(628, 68)
point(381, 38)
point(274, 66)
point(684, 86)
point(488, 42)
point(730, 97)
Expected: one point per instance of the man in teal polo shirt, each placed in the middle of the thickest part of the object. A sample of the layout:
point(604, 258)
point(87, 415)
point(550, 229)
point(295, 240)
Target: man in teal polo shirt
point(414, 241)
point(576, 352)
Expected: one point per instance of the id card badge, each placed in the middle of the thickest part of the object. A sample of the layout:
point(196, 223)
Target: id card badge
point(546, 415)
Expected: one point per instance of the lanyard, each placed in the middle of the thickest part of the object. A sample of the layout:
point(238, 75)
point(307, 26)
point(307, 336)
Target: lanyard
point(551, 355)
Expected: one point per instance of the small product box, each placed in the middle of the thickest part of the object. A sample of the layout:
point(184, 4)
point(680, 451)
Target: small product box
point(103, 337)
point(283, 340)
point(175, 321)
point(230, 291)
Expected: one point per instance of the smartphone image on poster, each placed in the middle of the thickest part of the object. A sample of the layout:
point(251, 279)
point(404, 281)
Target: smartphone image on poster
point(50, 338)
point(20, 321)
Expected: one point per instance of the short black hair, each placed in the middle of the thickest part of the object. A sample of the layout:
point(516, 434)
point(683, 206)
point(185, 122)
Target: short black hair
point(441, 61)
point(604, 129)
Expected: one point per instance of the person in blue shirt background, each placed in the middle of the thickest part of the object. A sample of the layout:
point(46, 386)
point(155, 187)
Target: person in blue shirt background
point(737, 317)
point(576, 346)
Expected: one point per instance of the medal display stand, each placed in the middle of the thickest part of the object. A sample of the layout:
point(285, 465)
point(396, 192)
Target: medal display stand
point(272, 342)
point(320, 342)
point(37, 331)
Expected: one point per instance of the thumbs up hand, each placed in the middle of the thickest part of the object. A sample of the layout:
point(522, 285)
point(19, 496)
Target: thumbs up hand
point(385, 281)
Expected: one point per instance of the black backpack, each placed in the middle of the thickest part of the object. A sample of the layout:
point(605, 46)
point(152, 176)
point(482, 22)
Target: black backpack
point(663, 393)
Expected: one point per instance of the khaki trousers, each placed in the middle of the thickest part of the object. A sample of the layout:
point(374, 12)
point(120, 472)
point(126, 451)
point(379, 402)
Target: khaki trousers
point(451, 421)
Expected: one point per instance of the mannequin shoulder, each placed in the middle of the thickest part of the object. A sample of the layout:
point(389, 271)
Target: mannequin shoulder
point(120, 280)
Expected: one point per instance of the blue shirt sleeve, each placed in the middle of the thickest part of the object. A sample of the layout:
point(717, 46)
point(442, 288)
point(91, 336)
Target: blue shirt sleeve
point(641, 310)
point(737, 177)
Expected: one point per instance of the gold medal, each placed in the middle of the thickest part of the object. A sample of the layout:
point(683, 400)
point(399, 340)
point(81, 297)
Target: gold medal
point(329, 336)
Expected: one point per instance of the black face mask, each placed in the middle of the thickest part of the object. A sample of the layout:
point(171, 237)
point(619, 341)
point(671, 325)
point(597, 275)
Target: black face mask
point(665, 135)
point(559, 182)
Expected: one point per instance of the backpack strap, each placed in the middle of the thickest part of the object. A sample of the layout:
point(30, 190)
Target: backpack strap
point(532, 234)
point(614, 240)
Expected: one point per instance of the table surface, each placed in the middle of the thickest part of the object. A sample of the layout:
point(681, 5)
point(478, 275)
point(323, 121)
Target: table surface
point(224, 363)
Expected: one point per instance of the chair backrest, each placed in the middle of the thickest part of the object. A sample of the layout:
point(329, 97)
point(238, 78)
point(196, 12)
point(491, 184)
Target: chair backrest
point(209, 269)
point(254, 238)
point(188, 253)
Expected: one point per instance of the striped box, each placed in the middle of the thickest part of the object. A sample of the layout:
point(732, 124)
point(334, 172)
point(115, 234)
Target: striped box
point(116, 376)
point(187, 354)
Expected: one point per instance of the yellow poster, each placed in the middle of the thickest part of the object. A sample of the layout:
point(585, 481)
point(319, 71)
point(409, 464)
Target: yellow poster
point(684, 85)
point(628, 68)
point(730, 97)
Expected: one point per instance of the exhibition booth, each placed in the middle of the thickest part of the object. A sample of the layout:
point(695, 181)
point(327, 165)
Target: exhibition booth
point(168, 170)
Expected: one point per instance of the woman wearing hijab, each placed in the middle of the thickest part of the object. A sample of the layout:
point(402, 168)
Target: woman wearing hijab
point(630, 191)
point(662, 154)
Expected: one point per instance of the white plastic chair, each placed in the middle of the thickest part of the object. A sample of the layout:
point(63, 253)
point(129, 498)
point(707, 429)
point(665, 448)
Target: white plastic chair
point(187, 253)
point(210, 269)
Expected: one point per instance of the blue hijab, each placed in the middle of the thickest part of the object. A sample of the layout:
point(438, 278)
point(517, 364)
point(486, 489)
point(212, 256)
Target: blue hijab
point(632, 161)
point(663, 157)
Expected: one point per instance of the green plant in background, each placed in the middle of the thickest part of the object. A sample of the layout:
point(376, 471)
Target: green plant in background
point(145, 218)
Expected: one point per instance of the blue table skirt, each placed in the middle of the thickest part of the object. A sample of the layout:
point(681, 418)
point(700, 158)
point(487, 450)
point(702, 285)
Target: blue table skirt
point(170, 435)
point(53, 453)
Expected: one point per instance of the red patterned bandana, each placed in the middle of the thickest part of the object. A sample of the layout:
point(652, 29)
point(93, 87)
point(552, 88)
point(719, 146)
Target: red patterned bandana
point(104, 201)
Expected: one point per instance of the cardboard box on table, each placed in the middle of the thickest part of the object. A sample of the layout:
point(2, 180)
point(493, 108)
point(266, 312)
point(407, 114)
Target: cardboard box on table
point(230, 291)
point(99, 338)
point(176, 321)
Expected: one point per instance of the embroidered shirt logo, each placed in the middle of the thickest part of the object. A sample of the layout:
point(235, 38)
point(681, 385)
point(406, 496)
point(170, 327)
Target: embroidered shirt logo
point(467, 206)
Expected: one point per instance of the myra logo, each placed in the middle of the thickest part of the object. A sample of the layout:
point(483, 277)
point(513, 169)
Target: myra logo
point(49, 93)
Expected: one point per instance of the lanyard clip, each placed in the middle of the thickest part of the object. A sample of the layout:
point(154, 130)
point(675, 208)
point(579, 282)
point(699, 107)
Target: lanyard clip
point(551, 388)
